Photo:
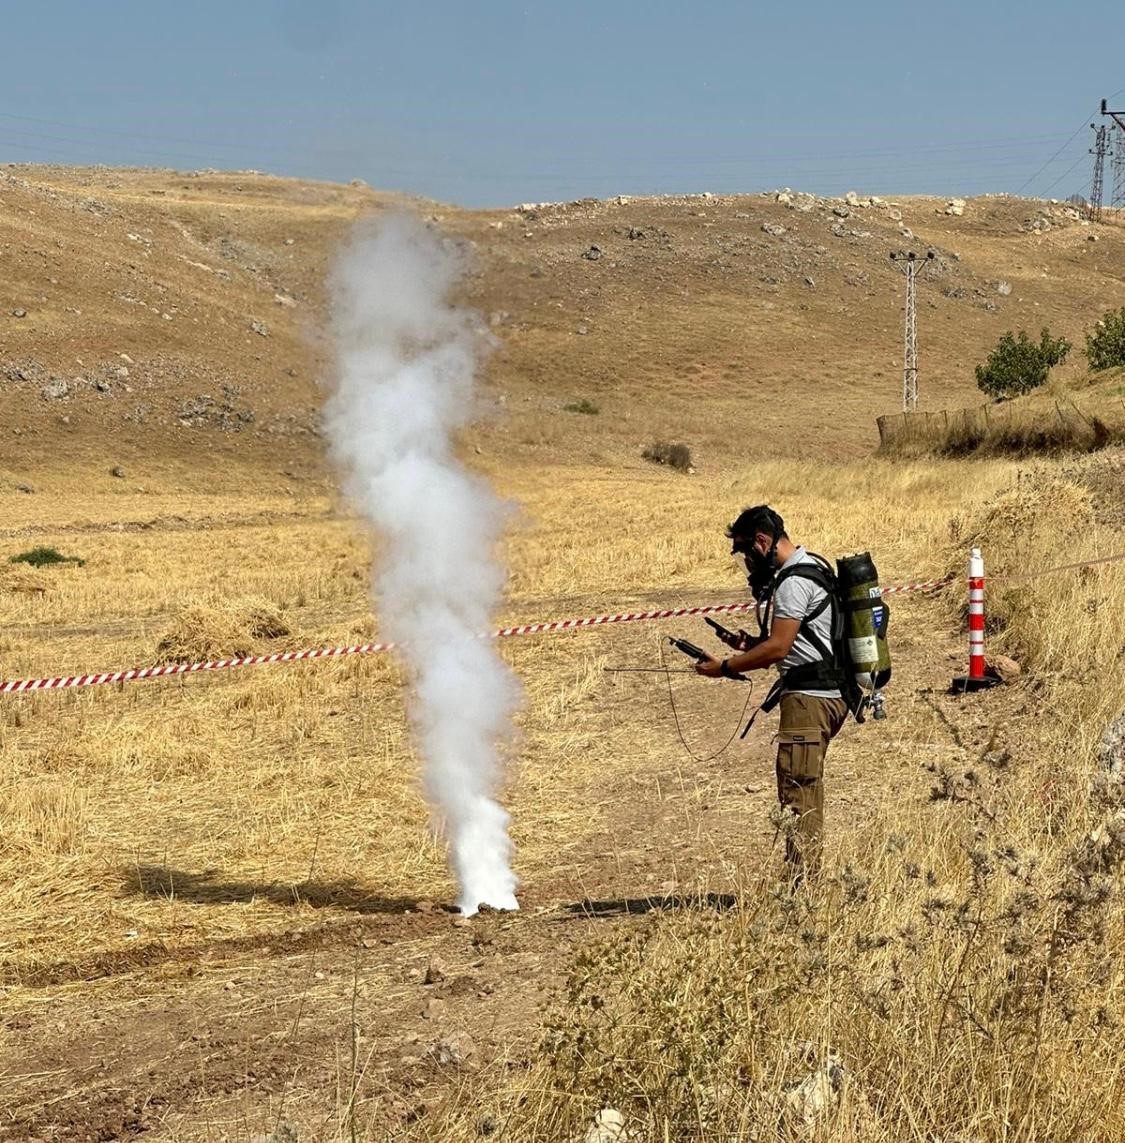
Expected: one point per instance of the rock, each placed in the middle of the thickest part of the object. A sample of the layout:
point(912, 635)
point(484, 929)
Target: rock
point(282, 1133)
point(101, 385)
point(285, 300)
point(1091, 238)
point(810, 282)
point(608, 1127)
point(955, 207)
point(436, 971)
point(622, 200)
point(593, 254)
point(19, 313)
point(1003, 288)
point(1111, 749)
point(55, 390)
point(27, 489)
point(1109, 838)
point(773, 228)
point(635, 233)
point(126, 358)
point(260, 328)
point(741, 214)
point(1003, 668)
point(785, 198)
point(433, 1009)
point(455, 1050)
point(582, 329)
point(117, 471)
point(851, 198)
point(813, 1100)
point(841, 212)
point(894, 214)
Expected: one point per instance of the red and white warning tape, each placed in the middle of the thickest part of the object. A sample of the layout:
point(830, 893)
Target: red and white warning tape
point(929, 585)
point(65, 682)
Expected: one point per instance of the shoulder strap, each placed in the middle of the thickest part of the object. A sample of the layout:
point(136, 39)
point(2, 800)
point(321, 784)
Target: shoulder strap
point(821, 574)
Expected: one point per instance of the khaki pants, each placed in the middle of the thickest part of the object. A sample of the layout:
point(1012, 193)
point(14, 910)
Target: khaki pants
point(807, 726)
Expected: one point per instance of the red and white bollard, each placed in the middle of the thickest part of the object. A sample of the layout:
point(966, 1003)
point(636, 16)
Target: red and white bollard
point(977, 678)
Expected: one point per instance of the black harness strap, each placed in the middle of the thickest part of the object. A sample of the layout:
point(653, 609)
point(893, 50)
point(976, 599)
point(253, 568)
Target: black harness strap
point(825, 674)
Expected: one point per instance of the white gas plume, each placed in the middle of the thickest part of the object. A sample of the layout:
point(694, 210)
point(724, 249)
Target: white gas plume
point(406, 361)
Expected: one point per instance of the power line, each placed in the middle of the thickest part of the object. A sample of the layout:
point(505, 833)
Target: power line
point(1010, 140)
point(1073, 167)
point(1077, 132)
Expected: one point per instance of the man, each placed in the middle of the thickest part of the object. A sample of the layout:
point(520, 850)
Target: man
point(799, 641)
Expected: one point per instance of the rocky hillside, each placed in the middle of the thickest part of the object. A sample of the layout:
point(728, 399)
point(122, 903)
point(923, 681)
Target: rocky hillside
point(154, 318)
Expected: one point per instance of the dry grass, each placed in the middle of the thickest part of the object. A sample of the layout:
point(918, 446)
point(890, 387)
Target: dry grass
point(269, 776)
point(1059, 419)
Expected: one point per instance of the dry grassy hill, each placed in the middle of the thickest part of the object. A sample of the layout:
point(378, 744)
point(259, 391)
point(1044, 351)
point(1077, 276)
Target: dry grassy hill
point(167, 317)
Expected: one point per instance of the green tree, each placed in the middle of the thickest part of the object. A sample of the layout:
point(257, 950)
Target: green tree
point(1105, 343)
point(1018, 364)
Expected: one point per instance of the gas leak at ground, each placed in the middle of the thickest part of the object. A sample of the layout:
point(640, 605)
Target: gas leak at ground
point(407, 360)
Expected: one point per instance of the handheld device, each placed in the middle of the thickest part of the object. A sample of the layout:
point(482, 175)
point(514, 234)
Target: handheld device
point(698, 654)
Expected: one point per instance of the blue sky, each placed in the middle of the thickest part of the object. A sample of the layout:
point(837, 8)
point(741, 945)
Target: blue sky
point(495, 102)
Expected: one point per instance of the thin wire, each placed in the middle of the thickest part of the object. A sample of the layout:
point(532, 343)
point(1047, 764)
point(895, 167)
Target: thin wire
point(1085, 120)
point(1062, 567)
point(1077, 162)
point(679, 728)
point(87, 128)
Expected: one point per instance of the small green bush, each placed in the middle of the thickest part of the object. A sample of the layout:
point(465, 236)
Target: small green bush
point(44, 557)
point(673, 454)
point(1105, 343)
point(1018, 365)
point(585, 405)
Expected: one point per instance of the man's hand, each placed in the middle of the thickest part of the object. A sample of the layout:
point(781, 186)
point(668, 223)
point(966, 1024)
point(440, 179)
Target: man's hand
point(709, 668)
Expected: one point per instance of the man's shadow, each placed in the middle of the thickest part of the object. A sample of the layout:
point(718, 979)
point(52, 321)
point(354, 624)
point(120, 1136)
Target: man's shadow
point(210, 888)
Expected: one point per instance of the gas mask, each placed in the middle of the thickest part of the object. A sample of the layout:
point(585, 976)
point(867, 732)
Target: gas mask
point(761, 567)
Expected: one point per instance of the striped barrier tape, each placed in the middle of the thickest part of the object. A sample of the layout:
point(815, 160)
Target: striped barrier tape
point(67, 682)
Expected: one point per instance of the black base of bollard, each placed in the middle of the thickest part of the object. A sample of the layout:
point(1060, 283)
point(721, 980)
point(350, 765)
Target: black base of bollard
point(965, 684)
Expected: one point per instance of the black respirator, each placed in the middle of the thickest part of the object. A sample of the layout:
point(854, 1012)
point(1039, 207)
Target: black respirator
point(762, 568)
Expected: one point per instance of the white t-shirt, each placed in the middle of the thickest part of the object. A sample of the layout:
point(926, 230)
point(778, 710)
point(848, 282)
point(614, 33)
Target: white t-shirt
point(794, 598)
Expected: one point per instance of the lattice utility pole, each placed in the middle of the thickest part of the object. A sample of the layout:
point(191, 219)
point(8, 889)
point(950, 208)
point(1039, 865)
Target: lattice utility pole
point(910, 264)
point(1117, 201)
point(1098, 151)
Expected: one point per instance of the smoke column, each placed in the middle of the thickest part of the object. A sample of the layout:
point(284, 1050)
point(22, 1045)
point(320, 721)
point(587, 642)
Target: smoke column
point(406, 358)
